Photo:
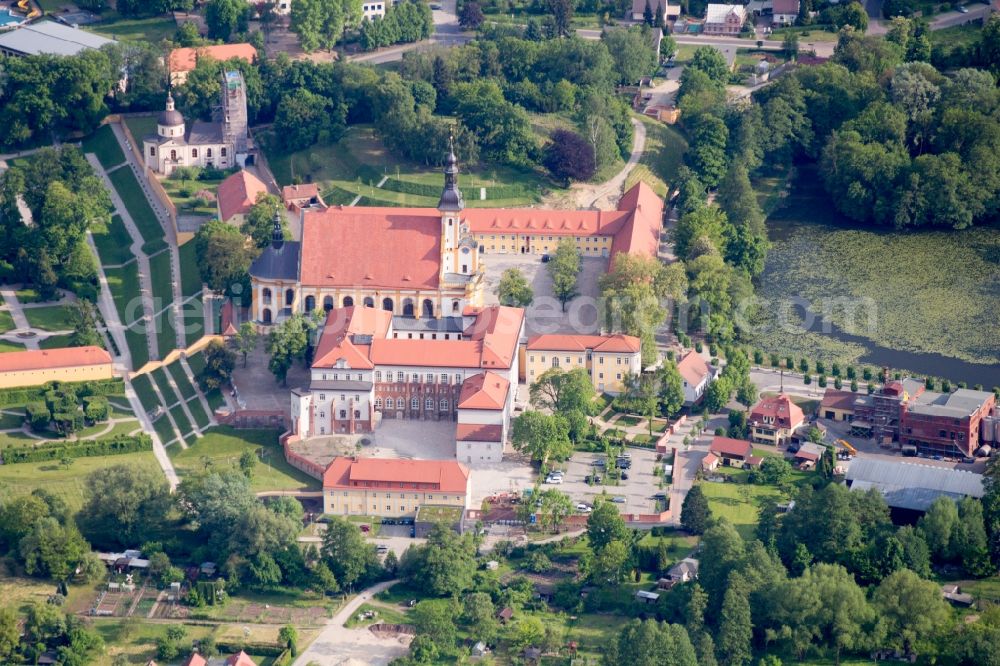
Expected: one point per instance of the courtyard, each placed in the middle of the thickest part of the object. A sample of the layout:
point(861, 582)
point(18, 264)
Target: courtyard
point(545, 314)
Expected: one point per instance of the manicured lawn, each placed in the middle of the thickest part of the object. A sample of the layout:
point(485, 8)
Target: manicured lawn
point(164, 429)
point(105, 146)
point(192, 321)
point(201, 418)
point(196, 363)
point(215, 399)
point(160, 377)
point(144, 389)
point(55, 318)
point(140, 126)
point(9, 421)
point(56, 342)
point(180, 378)
point(726, 501)
point(383, 613)
point(29, 295)
point(190, 276)
point(67, 483)
point(138, 349)
point(359, 160)
point(664, 154)
point(6, 346)
point(151, 30)
point(182, 421)
point(806, 35)
point(224, 445)
point(161, 279)
point(185, 195)
point(166, 337)
point(138, 207)
point(124, 285)
point(6, 321)
point(113, 243)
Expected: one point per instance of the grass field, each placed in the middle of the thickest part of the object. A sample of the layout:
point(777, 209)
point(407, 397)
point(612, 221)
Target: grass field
point(181, 420)
point(138, 207)
point(113, 243)
point(959, 35)
point(160, 278)
point(6, 321)
point(180, 378)
point(144, 389)
point(124, 285)
point(201, 418)
point(56, 341)
point(105, 146)
point(865, 279)
point(151, 30)
point(727, 501)
point(160, 377)
point(55, 318)
point(164, 429)
point(140, 126)
point(138, 349)
point(190, 276)
point(166, 337)
point(223, 446)
point(357, 162)
point(6, 346)
point(807, 34)
point(67, 482)
point(664, 154)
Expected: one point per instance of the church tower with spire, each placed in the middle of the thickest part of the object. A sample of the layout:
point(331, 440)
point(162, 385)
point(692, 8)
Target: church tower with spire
point(459, 253)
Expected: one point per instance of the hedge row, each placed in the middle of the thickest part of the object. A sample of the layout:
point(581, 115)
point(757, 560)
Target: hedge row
point(506, 192)
point(261, 649)
point(17, 396)
point(406, 187)
point(85, 449)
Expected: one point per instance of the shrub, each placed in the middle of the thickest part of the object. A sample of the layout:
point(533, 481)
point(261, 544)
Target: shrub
point(84, 449)
point(806, 379)
point(38, 416)
point(758, 357)
point(822, 381)
point(720, 432)
point(698, 347)
point(820, 368)
point(95, 408)
point(851, 373)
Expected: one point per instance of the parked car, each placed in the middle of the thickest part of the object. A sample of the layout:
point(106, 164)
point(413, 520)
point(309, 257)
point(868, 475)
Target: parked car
point(962, 9)
point(554, 480)
point(601, 463)
point(618, 499)
point(545, 258)
point(382, 549)
point(624, 476)
point(584, 508)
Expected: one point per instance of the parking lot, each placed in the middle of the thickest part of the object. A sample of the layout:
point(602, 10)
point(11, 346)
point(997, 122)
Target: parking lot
point(638, 490)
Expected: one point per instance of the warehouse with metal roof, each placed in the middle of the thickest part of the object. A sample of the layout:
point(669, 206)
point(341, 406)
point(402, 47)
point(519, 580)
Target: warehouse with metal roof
point(912, 486)
point(50, 38)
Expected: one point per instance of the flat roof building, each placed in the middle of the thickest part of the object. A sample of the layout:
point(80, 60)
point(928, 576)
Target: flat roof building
point(912, 486)
point(49, 38)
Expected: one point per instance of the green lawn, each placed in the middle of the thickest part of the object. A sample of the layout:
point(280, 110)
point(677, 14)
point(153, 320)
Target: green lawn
point(56, 342)
point(215, 399)
point(197, 363)
point(726, 502)
point(806, 35)
point(67, 483)
point(138, 349)
point(140, 126)
point(6, 346)
point(164, 429)
point(180, 378)
point(223, 446)
point(150, 30)
point(29, 295)
point(166, 337)
point(113, 243)
point(124, 285)
point(193, 320)
point(138, 207)
point(359, 160)
point(181, 420)
point(160, 277)
point(201, 418)
point(160, 377)
point(55, 318)
point(190, 276)
point(144, 389)
point(6, 321)
point(960, 35)
point(11, 421)
point(664, 154)
point(184, 194)
point(105, 146)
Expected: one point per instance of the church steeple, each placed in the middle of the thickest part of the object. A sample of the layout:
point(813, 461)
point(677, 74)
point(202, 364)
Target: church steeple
point(277, 233)
point(451, 196)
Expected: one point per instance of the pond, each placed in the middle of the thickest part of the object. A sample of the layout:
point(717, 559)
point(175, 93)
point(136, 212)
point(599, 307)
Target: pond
point(925, 301)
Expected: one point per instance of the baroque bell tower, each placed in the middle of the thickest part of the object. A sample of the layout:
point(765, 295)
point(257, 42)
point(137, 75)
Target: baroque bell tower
point(459, 254)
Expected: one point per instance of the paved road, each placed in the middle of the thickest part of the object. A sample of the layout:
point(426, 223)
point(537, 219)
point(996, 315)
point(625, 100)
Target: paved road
point(614, 186)
point(336, 644)
point(951, 19)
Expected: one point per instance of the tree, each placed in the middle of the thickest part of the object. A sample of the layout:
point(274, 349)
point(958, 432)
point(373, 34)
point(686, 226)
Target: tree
point(604, 525)
point(912, 612)
point(246, 340)
point(225, 17)
point(541, 436)
point(938, 526)
point(790, 45)
point(562, 14)
point(775, 471)
point(478, 612)
point(969, 540)
point(10, 634)
point(349, 557)
point(708, 154)
point(633, 52)
point(696, 516)
point(223, 257)
point(322, 23)
point(514, 289)
point(435, 619)
point(556, 507)
point(471, 16)
point(563, 268)
point(219, 364)
point(735, 628)
point(647, 13)
point(710, 60)
point(124, 506)
point(563, 391)
point(722, 550)
point(671, 390)
point(747, 244)
point(304, 118)
point(247, 463)
point(444, 565)
point(84, 321)
point(289, 637)
point(610, 563)
point(259, 222)
point(287, 342)
point(568, 157)
point(52, 550)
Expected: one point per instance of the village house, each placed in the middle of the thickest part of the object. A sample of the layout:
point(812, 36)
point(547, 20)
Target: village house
point(735, 452)
point(697, 374)
point(237, 194)
point(607, 358)
point(773, 420)
point(784, 12)
point(393, 487)
point(670, 12)
point(725, 19)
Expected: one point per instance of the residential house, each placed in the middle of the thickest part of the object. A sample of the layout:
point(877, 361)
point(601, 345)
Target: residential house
point(773, 420)
point(182, 62)
point(670, 12)
point(607, 358)
point(195, 660)
point(35, 367)
point(811, 452)
point(710, 462)
point(237, 194)
point(240, 659)
point(731, 451)
point(725, 19)
point(393, 487)
point(784, 12)
point(684, 571)
point(697, 374)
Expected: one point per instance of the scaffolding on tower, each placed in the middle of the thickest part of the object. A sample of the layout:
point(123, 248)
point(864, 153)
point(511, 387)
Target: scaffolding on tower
point(235, 127)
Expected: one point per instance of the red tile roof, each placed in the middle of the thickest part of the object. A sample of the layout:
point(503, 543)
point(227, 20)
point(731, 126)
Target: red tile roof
point(693, 368)
point(727, 446)
point(185, 59)
point(371, 247)
point(238, 193)
point(340, 337)
point(49, 359)
point(785, 6)
point(444, 475)
point(476, 432)
point(709, 459)
point(617, 343)
point(240, 659)
point(641, 232)
point(487, 390)
point(780, 408)
point(303, 192)
point(195, 660)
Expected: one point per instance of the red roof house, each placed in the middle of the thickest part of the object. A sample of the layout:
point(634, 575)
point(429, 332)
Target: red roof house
point(773, 419)
point(486, 390)
point(728, 448)
point(237, 194)
point(438, 475)
point(240, 659)
point(195, 660)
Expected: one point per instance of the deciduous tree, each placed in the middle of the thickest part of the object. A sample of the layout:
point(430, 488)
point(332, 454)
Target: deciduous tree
point(514, 290)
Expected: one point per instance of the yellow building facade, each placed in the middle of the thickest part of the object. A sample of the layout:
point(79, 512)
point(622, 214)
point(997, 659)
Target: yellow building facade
point(37, 367)
point(607, 358)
